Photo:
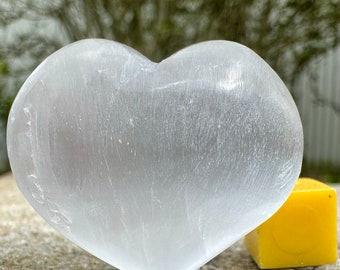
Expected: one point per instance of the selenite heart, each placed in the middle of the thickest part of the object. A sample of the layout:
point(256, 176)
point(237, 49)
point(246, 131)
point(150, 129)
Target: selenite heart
point(154, 165)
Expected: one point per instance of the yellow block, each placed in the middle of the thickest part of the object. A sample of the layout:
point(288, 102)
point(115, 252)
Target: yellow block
point(303, 232)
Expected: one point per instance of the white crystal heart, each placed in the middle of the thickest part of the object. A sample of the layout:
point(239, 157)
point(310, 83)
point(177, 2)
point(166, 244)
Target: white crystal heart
point(154, 166)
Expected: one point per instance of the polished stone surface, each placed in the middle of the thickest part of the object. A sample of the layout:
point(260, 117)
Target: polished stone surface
point(154, 165)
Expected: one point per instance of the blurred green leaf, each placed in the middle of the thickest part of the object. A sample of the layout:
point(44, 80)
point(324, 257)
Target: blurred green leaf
point(4, 69)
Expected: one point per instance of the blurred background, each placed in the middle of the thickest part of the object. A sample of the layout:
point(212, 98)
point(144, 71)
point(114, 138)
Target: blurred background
point(299, 39)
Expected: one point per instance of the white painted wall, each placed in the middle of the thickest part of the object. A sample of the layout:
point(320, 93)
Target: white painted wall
point(321, 123)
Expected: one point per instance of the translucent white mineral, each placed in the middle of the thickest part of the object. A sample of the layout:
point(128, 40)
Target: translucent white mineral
point(154, 165)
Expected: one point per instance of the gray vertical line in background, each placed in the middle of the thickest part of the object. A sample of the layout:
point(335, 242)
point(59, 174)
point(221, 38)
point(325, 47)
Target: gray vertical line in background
point(302, 86)
point(336, 60)
point(314, 114)
point(307, 122)
point(326, 143)
point(314, 80)
point(305, 117)
point(320, 90)
point(333, 97)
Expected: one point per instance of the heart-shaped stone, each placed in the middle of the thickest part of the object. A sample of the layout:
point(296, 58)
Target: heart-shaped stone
point(154, 165)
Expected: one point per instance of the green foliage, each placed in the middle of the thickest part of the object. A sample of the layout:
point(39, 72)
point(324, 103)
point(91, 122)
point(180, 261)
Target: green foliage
point(4, 69)
point(288, 34)
point(5, 100)
point(5, 106)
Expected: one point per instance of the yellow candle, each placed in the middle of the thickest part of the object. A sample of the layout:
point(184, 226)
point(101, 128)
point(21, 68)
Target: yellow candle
point(303, 232)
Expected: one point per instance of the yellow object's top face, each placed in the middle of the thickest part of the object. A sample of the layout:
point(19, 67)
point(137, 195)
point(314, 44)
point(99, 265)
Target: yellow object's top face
point(309, 184)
